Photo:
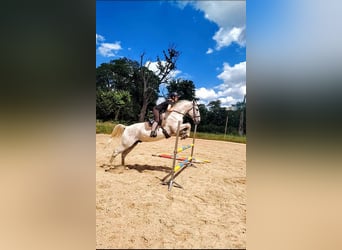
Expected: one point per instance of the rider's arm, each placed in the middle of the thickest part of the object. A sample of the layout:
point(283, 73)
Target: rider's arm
point(169, 108)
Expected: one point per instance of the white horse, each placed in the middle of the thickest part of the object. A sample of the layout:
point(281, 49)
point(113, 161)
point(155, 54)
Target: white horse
point(140, 132)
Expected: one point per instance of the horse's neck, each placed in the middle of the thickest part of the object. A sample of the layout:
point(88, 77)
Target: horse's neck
point(183, 108)
point(174, 116)
point(177, 114)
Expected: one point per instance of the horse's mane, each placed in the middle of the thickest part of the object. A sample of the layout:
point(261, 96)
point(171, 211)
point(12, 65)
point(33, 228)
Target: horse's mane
point(181, 103)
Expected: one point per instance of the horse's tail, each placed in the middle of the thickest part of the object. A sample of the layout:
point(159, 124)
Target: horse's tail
point(117, 131)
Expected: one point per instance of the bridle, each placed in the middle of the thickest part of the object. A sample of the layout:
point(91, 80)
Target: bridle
point(194, 116)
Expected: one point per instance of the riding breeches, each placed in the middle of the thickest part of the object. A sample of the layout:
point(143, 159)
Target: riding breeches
point(156, 114)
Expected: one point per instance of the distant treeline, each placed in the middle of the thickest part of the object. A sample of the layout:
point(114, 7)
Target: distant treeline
point(126, 91)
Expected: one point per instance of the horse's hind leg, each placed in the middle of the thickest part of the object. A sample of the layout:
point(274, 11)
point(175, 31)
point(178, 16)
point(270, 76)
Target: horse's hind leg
point(116, 152)
point(126, 152)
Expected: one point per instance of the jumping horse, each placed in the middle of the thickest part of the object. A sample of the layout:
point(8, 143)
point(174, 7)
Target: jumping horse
point(140, 132)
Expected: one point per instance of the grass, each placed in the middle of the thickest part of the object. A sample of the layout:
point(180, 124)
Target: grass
point(107, 127)
point(104, 127)
point(221, 137)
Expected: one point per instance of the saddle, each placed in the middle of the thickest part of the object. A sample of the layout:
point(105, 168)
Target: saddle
point(148, 126)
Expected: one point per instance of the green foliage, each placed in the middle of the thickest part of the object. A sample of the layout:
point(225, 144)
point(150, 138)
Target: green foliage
point(214, 119)
point(109, 104)
point(116, 88)
point(107, 127)
point(221, 137)
point(185, 88)
point(116, 75)
point(127, 90)
point(216, 114)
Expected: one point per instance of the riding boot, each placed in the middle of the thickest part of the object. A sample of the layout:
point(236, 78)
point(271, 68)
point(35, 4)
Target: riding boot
point(153, 130)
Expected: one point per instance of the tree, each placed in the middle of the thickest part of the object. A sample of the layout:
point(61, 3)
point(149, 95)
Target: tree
point(242, 108)
point(123, 72)
point(110, 103)
point(134, 77)
point(217, 114)
point(185, 88)
point(204, 113)
point(168, 65)
point(115, 89)
point(105, 77)
point(150, 81)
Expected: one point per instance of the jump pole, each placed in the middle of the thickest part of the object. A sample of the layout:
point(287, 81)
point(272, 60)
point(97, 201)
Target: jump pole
point(171, 181)
point(168, 156)
point(189, 162)
point(183, 164)
point(193, 140)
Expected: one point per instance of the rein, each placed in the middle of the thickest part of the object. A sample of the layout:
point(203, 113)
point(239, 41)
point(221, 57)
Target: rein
point(187, 112)
point(181, 112)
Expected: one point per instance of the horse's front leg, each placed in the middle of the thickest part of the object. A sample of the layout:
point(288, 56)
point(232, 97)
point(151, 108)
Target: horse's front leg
point(184, 130)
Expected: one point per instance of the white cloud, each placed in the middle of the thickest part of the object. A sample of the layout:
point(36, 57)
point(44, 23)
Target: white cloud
point(99, 38)
point(231, 90)
point(224, 13)
point(153, 67)
point(109, 49)
point(230, 16)
point(224, 37)
point(233, 76)
point(180, 4)
point(209, 51)
point(227, 101)
point(206, 94)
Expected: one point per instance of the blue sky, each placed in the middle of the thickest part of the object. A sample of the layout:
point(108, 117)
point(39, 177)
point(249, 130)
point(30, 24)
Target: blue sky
point(209, 34)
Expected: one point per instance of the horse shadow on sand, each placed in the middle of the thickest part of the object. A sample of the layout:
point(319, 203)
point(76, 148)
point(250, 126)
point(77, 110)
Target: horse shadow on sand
point(138, 167)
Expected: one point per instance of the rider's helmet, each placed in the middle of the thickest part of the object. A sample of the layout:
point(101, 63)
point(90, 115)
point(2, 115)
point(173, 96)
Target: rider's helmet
point(174, 94)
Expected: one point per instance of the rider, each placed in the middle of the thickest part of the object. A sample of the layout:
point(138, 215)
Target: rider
point(161, 108)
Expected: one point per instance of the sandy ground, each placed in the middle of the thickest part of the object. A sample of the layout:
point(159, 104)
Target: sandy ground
point(134, 210)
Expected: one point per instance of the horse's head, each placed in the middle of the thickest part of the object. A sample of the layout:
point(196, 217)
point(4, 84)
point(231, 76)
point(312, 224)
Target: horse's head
point(194, 113)
point(189, 108)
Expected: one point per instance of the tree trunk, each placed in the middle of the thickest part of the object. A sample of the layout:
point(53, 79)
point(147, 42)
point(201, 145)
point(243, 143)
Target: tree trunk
point(164, 73)
point(117, 114)
point(225, 128)
point(241, 123)
point(143, 111)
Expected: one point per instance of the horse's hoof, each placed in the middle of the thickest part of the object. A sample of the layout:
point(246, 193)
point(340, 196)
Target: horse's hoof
point(184, 137)
point(107, 169)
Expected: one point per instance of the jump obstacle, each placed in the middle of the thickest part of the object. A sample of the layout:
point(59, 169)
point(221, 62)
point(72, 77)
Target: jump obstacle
point(169, 179)
point(169, 156)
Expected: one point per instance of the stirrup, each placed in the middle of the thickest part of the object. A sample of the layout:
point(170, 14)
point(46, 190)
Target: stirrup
point(150, 122)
